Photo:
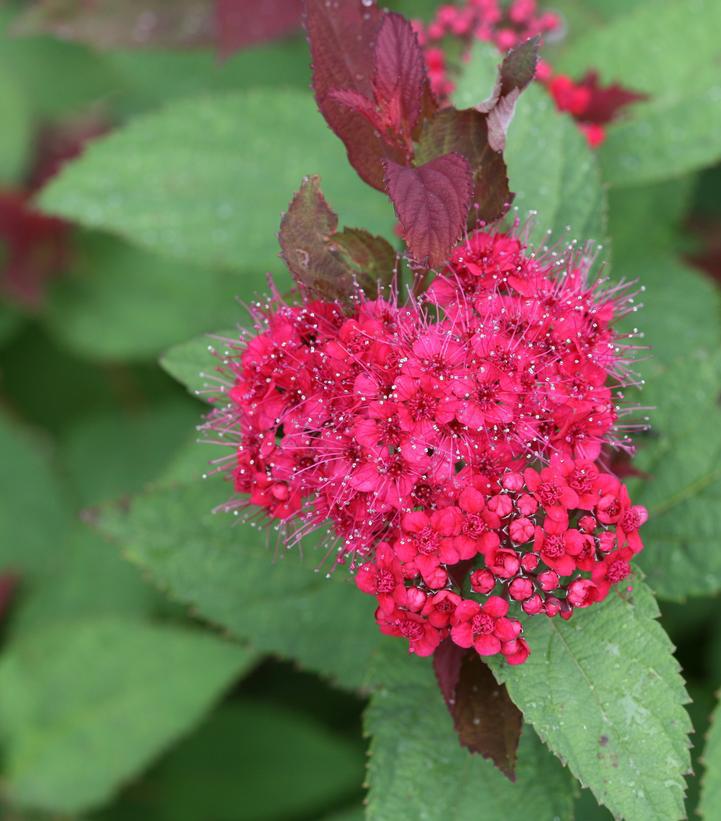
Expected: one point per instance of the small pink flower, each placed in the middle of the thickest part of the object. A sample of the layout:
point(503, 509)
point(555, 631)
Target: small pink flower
point(440, 607)
point(483, 627)
point(422, 637)
point(383, 579)
point(582, 593)
point(550, 489)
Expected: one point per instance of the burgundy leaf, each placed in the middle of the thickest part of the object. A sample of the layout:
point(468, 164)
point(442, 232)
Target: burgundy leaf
point(358, 103)
point(447, 667)
point(8, 585)
point(431, 202)
point(370, 82)
point(331, 265)
point(606, 101)
point(36, 249)
point(342, 36)
point(242, 23)
point(400, 81)
point(485, 718)
point(130, 23)
point(466, 132)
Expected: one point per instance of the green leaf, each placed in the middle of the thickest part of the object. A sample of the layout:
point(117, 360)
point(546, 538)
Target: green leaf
point(34, 511)
point(32, 62)
point(192, 362)
point(91, 581)
point(478, 77)
point(666, 137)
point(10, 320)
point(153, 78)
point(136, 446)
point(206, 179)
point(603, 691)
point(251, 760)
point(646, 221)
point(554, 172)
point(86, 705)
point(682, 458)
point(232, 576)
point(710, 804)
point(15, 134)
point(418, 769)
point(681, 312)
point(669, 51)
point(680, 307)
point(119, 302)
point(654, 48)
point(580, 15)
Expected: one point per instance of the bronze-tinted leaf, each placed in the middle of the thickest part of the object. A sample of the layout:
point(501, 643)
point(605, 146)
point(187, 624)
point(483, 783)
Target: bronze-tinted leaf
point(331, 264)
point(373, 258)
point(514, 74)
point(519, 66)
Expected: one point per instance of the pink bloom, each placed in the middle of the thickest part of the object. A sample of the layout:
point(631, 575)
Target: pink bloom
point(521, 589)
point(440, 607)
point(515, 651)
point(503, 564)
point(482, 581)
point(614, 568)
point(383, 579)
point(558, 550)
point(405, 429)
point(552, 492)
point(422, 637)
point(582, 593)
point(631, 519)
point(483, 627)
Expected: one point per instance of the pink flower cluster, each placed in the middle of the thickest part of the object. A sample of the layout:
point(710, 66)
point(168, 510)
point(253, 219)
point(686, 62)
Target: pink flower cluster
point(592, 106)
point(486, 20)
point(408, 430)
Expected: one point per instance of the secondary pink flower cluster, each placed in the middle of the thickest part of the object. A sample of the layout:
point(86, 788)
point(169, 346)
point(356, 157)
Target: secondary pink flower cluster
point(592, 106)
point(486, 20)
point(406, 430)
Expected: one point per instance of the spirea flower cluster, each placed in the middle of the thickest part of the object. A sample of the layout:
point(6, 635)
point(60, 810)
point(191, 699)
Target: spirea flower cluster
point(450, 444)
point(485, 20)
point(592, 105)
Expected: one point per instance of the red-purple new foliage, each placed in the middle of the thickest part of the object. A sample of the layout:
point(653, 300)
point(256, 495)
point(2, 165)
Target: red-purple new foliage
point(441, 169)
